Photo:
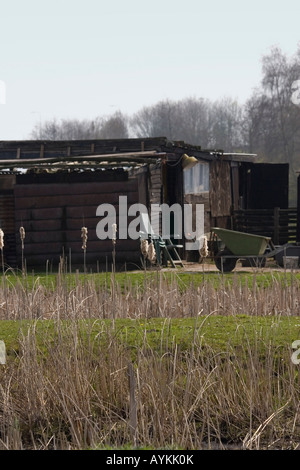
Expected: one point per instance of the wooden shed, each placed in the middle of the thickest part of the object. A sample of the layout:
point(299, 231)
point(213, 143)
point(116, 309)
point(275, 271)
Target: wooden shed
point(53, 189)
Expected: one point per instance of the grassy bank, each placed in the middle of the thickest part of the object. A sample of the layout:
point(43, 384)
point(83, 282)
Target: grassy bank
point(129, 279)
point(227, 381)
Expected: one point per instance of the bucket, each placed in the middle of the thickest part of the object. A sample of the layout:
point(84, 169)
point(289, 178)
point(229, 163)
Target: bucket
point(291, 262)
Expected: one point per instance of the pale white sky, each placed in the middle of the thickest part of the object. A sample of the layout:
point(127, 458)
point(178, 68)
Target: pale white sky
point(82, 59)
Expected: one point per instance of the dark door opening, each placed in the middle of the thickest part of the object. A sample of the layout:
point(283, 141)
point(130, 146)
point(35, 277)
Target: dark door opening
point(264, 185)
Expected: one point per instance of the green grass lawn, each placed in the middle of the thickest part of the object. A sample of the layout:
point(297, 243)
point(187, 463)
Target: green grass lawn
point(218, 333)
point(158, 334)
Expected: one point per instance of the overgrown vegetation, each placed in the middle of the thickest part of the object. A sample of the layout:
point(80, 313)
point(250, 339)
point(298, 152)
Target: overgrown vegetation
point(149, 360)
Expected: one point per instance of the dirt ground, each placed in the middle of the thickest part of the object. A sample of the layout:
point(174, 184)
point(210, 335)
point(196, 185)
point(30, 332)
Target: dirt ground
point(211, 267)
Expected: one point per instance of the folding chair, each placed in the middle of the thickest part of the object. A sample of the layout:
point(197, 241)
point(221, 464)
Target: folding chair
point(162, 246)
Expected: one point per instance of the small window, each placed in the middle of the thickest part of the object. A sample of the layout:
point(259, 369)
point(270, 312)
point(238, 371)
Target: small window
point(196, 179)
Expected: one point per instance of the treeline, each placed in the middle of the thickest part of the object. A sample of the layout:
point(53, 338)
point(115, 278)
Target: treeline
point(268, 124)
point(197, 121)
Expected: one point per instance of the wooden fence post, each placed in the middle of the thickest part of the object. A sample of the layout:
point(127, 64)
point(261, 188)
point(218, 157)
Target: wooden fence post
point(132, 405)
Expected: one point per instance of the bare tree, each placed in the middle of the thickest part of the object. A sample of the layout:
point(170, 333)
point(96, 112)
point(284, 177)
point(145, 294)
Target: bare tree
point(158, 120)
point(50, 130)
point(272, 120)
point(226, 125)
point(195, 121)
point(114, 127)
point(111, 127)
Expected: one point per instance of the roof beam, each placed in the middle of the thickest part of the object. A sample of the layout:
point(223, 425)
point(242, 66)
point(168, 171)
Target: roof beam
point(133, 158)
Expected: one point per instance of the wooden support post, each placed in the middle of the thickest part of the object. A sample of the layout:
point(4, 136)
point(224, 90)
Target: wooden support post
point(276, 225)
point(42, 151)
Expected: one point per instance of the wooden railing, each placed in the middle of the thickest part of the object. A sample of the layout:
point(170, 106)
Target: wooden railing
point(279, 224)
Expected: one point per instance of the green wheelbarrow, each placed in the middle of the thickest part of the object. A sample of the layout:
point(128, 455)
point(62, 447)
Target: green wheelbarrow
point(228, 246)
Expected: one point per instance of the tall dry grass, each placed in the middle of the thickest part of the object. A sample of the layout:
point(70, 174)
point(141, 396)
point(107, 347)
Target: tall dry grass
point(73, 391)
point(158, 296)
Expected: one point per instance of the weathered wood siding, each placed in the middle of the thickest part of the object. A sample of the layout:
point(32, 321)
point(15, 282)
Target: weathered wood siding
point(53, 214)
point(204, 199)
point(217, 201)
point(298, 211)
point(155, 188)
point(220, 189)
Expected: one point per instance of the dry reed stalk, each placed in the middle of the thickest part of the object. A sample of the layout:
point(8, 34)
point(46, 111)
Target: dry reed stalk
point(22, 237)
point(249, 440)
point(114, 242)
point(137, 301)
point(84, 236)
point(74, 397)
point(2, 247)
point(144, 247)
point(204, 249)
point(84, 232)
point(151, 253)
point(113, 281)
point(114, 234)
point(3, 269)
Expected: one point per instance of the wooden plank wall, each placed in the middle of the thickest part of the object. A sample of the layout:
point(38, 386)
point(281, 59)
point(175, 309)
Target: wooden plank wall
point(7, 224)
point(217, 202)
point(7, 217)
point(195, 199)
point(53, 214)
